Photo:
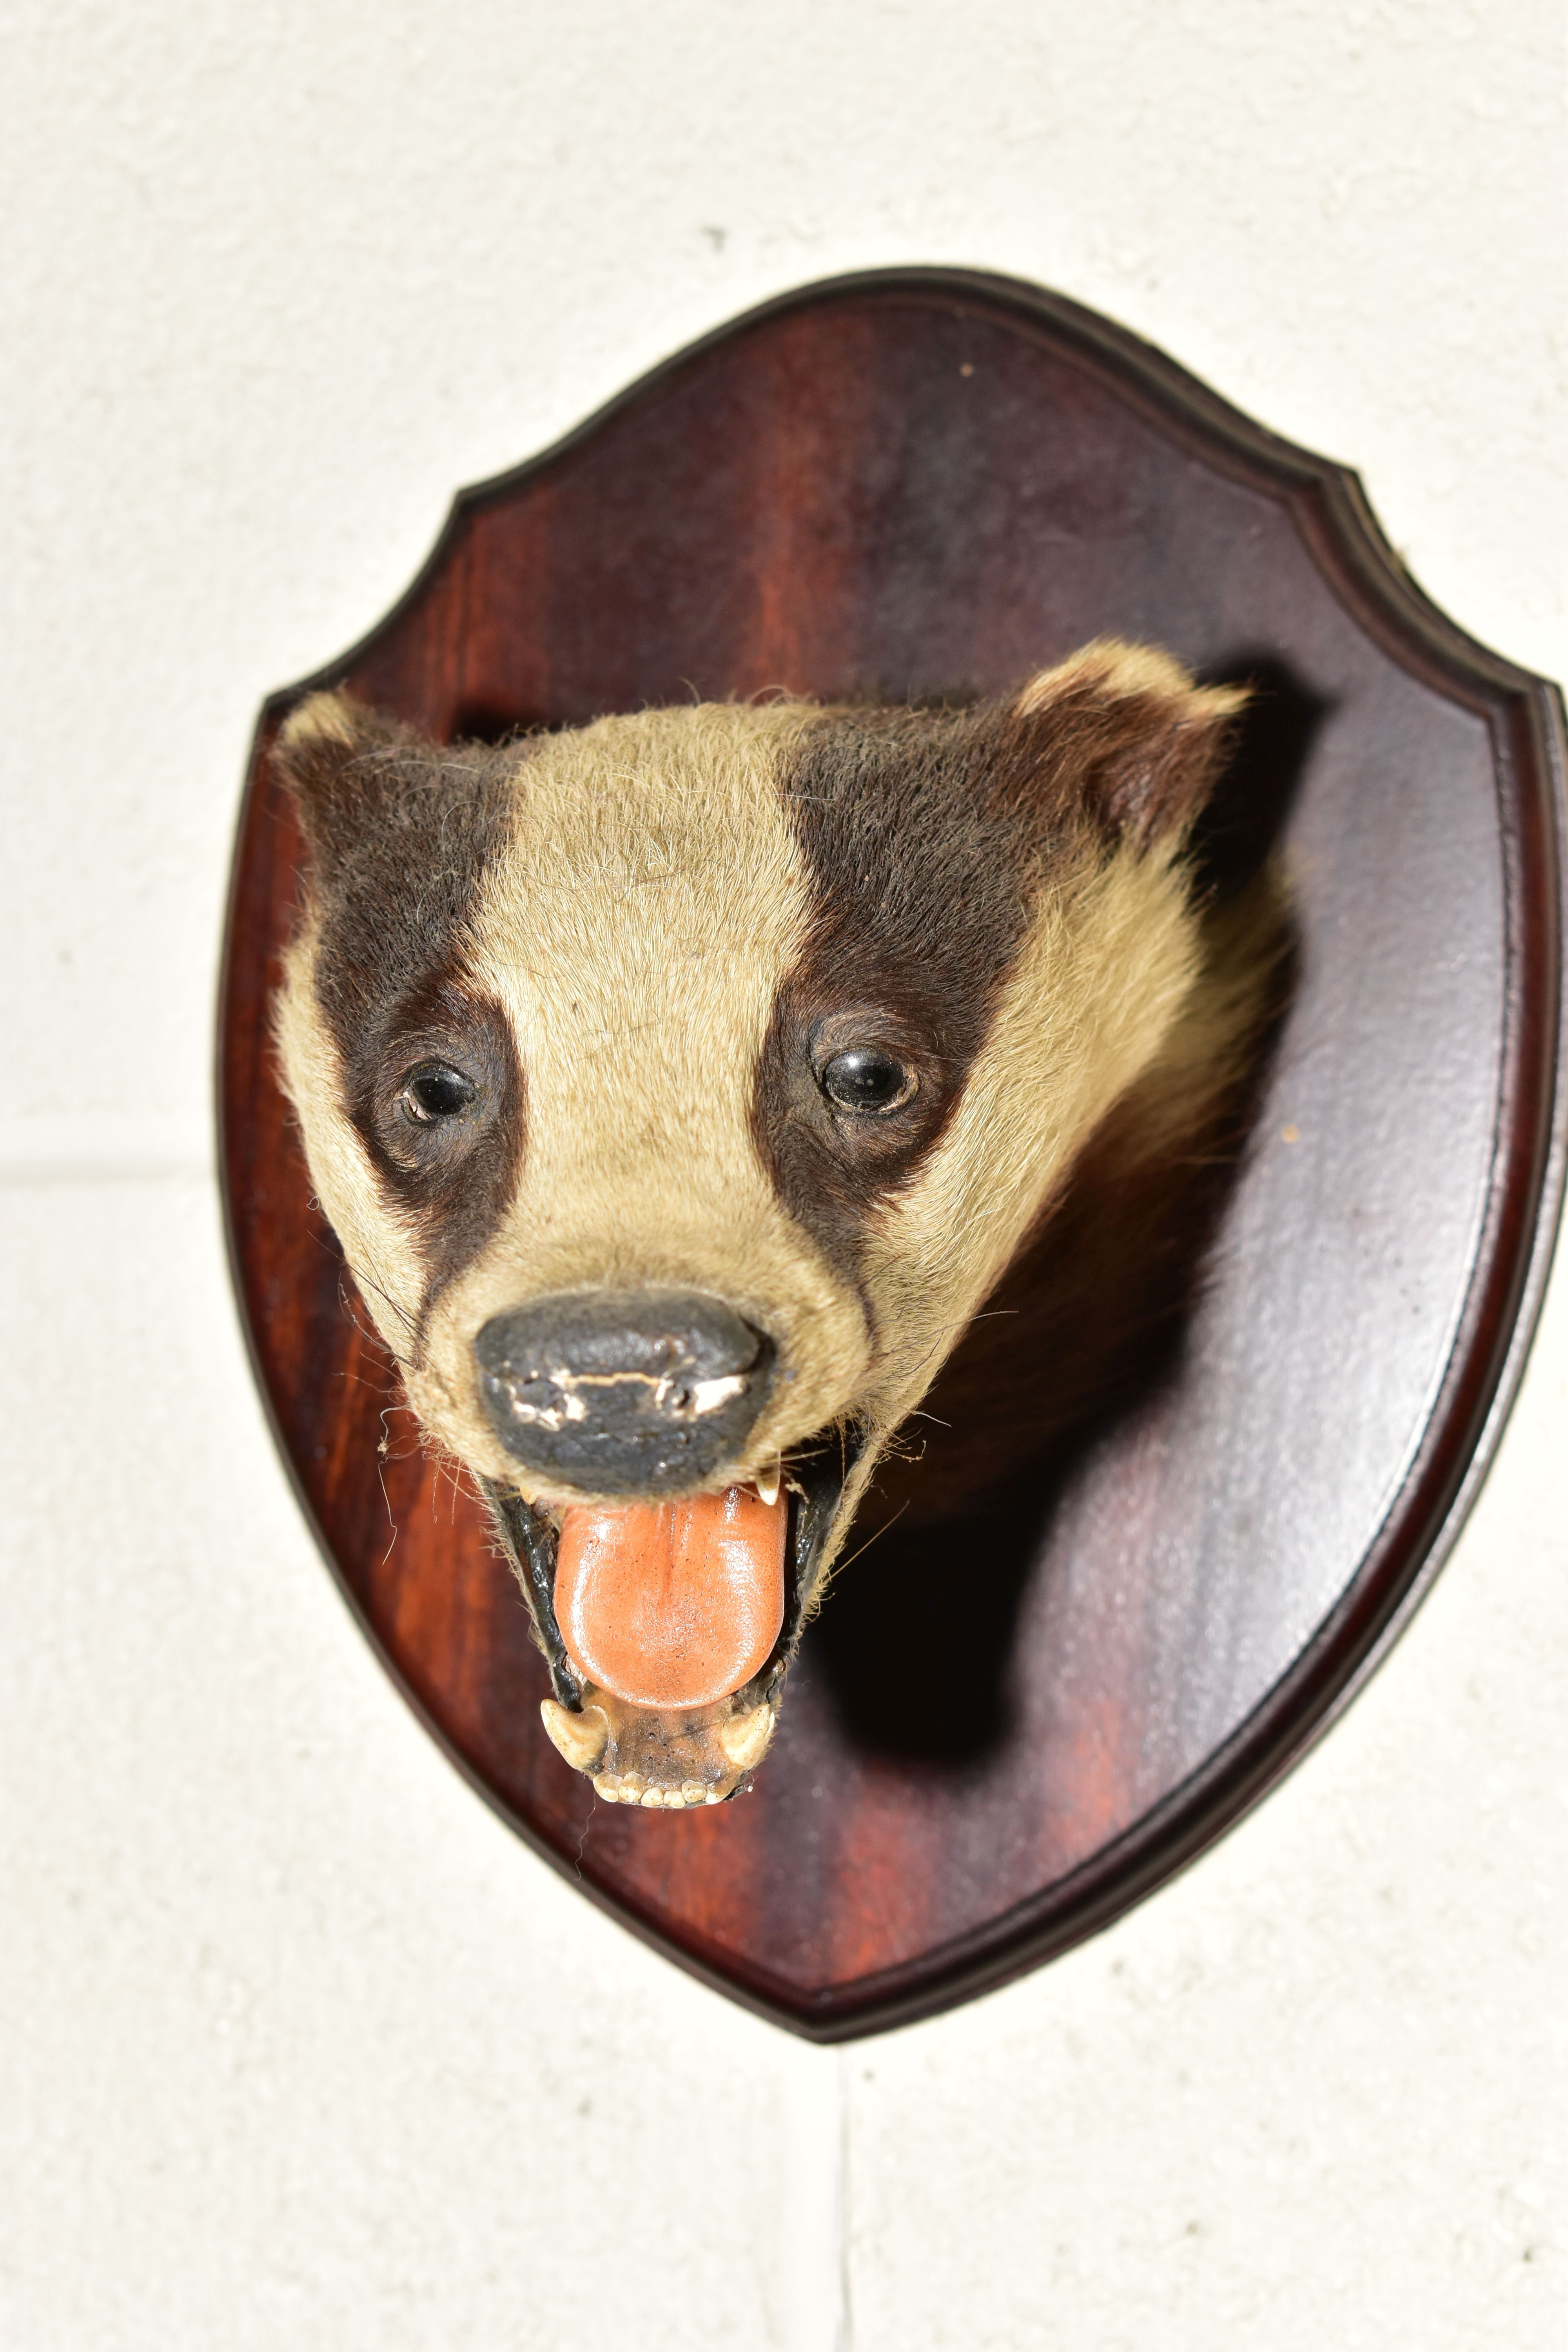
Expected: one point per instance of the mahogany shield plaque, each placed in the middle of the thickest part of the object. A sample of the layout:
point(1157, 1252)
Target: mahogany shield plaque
point(911, 481)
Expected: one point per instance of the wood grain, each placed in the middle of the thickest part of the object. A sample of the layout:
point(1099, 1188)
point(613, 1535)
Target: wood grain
point(931, 479)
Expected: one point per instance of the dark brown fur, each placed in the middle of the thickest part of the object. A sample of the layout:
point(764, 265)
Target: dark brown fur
point(926, 837)
point(401, 835)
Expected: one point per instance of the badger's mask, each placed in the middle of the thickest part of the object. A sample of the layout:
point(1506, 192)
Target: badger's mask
point(680, 1086)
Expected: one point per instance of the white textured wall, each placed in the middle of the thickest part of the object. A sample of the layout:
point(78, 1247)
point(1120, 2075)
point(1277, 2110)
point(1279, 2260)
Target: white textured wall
point(297, 2047)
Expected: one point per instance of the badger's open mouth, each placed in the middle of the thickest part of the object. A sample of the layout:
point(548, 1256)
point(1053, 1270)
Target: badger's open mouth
point(678, 1623)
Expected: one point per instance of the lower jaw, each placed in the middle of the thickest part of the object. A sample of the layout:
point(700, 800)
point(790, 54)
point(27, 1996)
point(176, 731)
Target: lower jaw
point(674, 1759)
point(670, 1759)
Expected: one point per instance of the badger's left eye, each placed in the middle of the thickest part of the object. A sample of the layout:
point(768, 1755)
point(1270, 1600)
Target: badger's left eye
point(867, 1077)
point(435, 1092)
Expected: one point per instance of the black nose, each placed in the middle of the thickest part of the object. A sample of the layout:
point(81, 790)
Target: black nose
point(623, 1393)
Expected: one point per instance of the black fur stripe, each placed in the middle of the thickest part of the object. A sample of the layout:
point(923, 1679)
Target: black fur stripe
point(402, 835)
point(921, 834)
point(927, 836)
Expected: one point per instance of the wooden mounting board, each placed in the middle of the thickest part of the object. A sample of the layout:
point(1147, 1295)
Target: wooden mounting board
point(909, 480)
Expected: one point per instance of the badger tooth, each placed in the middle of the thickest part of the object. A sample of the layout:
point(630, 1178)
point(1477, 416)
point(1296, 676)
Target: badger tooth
point(768, 1482)
point(745, 1737)
point(580, 1738)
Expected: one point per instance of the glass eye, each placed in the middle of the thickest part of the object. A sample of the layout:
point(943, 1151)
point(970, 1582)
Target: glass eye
point(867, 1077)
point(436, 1092)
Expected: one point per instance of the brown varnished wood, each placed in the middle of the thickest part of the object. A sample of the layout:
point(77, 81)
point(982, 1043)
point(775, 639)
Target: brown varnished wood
point(934, 479)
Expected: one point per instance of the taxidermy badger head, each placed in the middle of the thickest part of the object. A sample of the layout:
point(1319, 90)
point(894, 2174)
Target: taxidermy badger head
point(679, 1088)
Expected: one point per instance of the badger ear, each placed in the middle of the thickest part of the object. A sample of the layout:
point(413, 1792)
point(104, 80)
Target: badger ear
point(1129, 737)
point(331, 754)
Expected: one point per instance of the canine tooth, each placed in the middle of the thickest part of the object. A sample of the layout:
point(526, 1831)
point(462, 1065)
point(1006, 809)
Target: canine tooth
point(692, 1791)
point(767, 1483)
point(580, 1738)
point(632, 1783)
point(651, 1797)
point(607, 1789)
point(745, 1737)
point(713, 1798)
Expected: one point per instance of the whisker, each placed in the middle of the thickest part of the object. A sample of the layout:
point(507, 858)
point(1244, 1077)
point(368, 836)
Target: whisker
point(840, 1565)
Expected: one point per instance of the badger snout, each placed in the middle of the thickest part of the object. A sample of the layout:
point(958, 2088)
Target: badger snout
point(623, 1393)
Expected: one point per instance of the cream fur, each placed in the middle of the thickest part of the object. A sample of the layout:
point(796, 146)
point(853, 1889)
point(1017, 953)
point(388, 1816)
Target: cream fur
point(1121, 670)
point(635, 933)
point(1106, 974)
point(1106, 970)
point(319, 718)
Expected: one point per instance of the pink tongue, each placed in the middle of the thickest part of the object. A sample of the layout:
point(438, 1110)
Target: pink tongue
point(672, 1604)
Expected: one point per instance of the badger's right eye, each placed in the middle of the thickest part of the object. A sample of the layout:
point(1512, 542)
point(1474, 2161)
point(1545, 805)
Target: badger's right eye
point(435, 1092)
point(867, 1077)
